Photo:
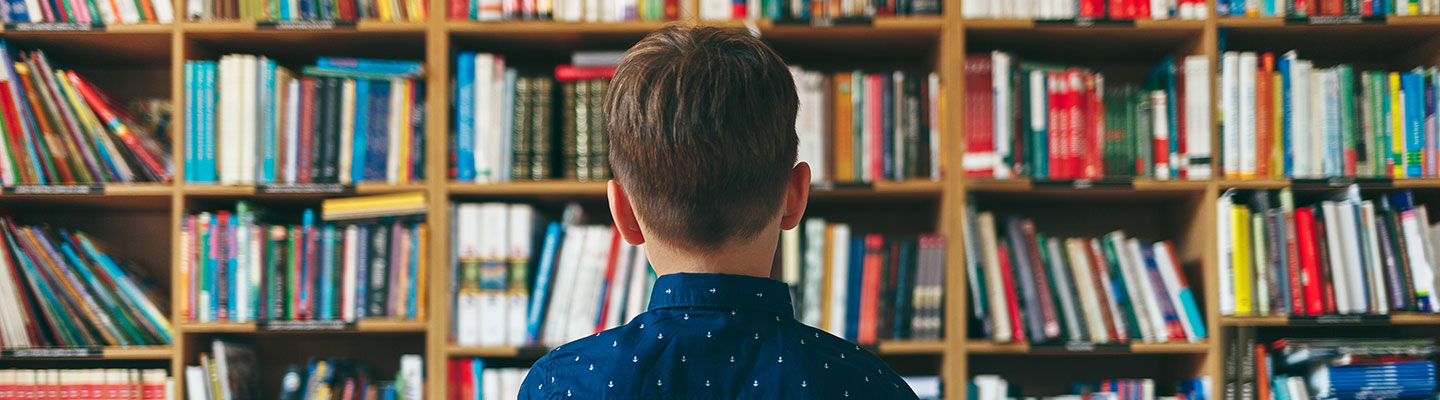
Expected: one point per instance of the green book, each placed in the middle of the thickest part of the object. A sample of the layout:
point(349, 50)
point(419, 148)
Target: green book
point(1345, 80)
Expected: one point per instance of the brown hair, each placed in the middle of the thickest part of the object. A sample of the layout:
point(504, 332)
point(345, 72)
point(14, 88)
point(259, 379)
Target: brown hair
point(702, 133)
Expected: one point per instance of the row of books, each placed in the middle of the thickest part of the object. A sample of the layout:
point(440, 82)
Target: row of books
point(114, 383)
point(345, 120)
point(584, 279)
point(1084, 9)
point(565, 10)
point(59, 288)
point(249, 265)
point(281, 11)
point(231, 371)
point(995, 387)
point(62, 129)
point(814, 10)
point(1054, 122)
point(507, 127)
point(1328, 368)
point(470, 378)
point(1284, 118)
point(1027, 286)
point(1343, 254)
point(1324, 8)
point(89, 12)
point(865, 287)
point(857, 126)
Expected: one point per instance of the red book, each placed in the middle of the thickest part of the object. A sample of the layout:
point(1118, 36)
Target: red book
point(1179, 134)
point(1092, 8)
point(152, 389)
point(1017, 324)
point(672, 9)
point(1142, 9)
point(1102, 293)
point(1075, 125)
point(1095, 131)
point(307, 129)
point(1309, 260)
point(1051, 318)
point(111, 117)
point(870, 289)
point(1330, 7)
point(1055, 117)
point(738, 9)
point(343, 9)
point(609, 278)
point(1327, 286)
point(1367, 8)
point(12, 126)
point(459, 9)
point(311, 274)
point(571, 73)
point(1297, 296)
point(1264, 114)
point(874, 117)
point(1262, 365)
point(979, 132)
point(1117, 9)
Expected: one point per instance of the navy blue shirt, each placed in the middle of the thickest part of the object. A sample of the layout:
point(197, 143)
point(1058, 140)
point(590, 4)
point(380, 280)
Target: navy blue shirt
point(713, 336)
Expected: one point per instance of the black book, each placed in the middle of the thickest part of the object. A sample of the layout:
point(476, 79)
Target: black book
point(273, 297)
point(379, 259)
point(319, 125)
point(417, 124)
point(330, 165)
point(887, 125)
point(914, 111)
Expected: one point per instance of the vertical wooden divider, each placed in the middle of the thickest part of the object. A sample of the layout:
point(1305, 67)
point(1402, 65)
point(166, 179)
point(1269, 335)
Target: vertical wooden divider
point(437, 52)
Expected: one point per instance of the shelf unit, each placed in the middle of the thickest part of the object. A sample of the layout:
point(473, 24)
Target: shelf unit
point(147, 59)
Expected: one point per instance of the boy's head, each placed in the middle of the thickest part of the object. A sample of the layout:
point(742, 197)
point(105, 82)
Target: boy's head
point(702, 141)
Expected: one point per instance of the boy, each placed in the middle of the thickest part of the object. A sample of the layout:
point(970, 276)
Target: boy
point(703, 146)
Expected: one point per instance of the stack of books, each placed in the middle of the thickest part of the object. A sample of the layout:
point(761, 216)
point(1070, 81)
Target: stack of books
point(1030, 287)
point(251, 265)
point(814, 10)
point(507, 126)
point(59, 288)
point(503, 301)
point(147, 384)
point(345, 121)
point(1052, 122)
point(278, 11)
point(994, 387)
point(230, 371)
point(1343, 254)
point(91, 12)
point(857, 126)
point(1284, 118)
point(1084, 9)
point(1330, 368)
point(1324, 8)
point(470, 378)
point(374, 207)
point(63, 130)
point(565, 10)
point(865, 287)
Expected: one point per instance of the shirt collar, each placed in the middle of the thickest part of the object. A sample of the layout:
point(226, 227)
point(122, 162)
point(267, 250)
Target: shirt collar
point(725, 291)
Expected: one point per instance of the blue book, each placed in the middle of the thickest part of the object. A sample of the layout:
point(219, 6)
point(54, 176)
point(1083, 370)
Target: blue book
point(1237, 8)
point(327, 273)
point(207, 135)
point(212, 281)
point(413, 270)
point(362, 268)
point(852, 291)
point(285, 11)
point(377, 141)
point(1283, 65)
point(307, 228)
point(27, 122)
point(371, 65)
point(18, 11)
point(507, 125)
point(904, 289)
point(232, 267)
point(887, 125)
point(1414, 95)
point(554, 232)
point(191, 120)
point(477, 367)
point(464, 117)
point(266, 172)
point(1173, 107)
point(1222, 7)
point(130, 293)
point(362, 127)
point(1269, 10)
point(1333, 163)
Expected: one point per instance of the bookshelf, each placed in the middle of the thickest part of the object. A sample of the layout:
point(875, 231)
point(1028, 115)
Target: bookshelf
point(148, 59)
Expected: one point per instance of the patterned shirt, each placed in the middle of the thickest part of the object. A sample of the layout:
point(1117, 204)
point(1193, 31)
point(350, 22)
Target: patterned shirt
point(713, 336)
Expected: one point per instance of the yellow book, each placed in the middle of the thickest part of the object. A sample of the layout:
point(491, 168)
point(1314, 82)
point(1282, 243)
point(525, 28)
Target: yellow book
point(1277, 153)
point(416, 10)
point(825, 279)
point(844, 162)
point(1397, 126)
point(384, 9)
point(406, 130)
point(1241, 260)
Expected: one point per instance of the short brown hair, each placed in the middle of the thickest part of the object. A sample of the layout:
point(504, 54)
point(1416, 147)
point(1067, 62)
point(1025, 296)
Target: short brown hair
point(702, 133)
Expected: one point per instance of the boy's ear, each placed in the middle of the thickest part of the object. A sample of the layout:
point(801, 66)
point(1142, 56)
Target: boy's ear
point(797, 194)
point(625, 220)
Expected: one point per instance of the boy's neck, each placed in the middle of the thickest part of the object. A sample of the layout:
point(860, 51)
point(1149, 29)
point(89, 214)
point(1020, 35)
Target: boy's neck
point(752, 258)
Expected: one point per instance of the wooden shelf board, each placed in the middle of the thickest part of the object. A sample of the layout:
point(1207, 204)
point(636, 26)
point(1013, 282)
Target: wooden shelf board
point(113, 353)
point(140, 189)
point(361, 326)
point(987, 347)
point(1140, 24)
point(250, 27)
point(1428, 20)
point(536, 188)
point(245, 190)
point(1253, 183)
point(552, 27)
point(140, 28)
point(1136, 185)
point(1281, 320)
point(911, 347)
point(908, 189)
point(1250, 22)
point(527, 352)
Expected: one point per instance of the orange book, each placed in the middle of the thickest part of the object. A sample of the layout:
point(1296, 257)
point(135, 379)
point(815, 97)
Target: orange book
point(870, 289)
point(148, 10)
point(420, 267)
point(1262, 376)
point(47, 138)
point(842, 130)
point(1264, 115)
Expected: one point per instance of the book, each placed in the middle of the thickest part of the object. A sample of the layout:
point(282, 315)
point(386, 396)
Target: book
point(472, 379)
point(827, 128)
point(1086, 9)
point(1327, 8)
point(318, 378)
point(335, 122)
point(144, 384)
point(995, 387)
point(307, 11)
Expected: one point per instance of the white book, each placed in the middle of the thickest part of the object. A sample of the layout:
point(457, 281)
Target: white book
point(510, 381)
point(230, 104)
point(554, 329)
point(1423, 216)
point(1246, 102)
point(195, 9)
point(1230, 113)
point(1188, 10)
point(934, 105)
point(107, 13)
point(467, 247)
point(486, 10)
point(1135, 287)
point(810, 87)
point(490, 389)
point(495, 138)
point(1000, 85)
point(13, 321)
point(1166, 264)
point(1148, 291)
point(1197, 159)
point(164, 12)
point(994, 281)
point(197, 386)
point(715, 9)
point(1421, 270)
point(249, 117)
point(1354, 260)
point(1160, 107)
point(619, 286)
point(968, 9)
point(814, 272)
point(790, 257)
point(1333, 242)
point(574, 10)
point(493, 307)
point(397, 127)
point(1375, 275)
point(635, 301)
point(292, 132)
point(839, 268)
point(1159, 9)
point(1074, 324)
point(506, 132)
point(1301, 135)
point(585, 306)
point(1260, 266)
point(129, 13)
point(521, 228)
point(493, 247)
point(485, 156)
point(347, 130)
point(1298, 389)
point(1317, 123)
point(347, 277)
